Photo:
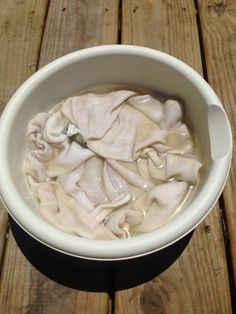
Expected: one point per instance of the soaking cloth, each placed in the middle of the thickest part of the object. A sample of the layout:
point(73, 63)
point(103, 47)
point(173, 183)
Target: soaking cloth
point(131, 176)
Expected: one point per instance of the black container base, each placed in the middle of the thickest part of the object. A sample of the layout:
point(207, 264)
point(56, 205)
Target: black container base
point(96, 276)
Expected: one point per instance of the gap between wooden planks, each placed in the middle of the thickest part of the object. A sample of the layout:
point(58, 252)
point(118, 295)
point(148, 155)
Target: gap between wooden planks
point(198, 280)
point(70, 25)
point(21, 27)
point(218, 24)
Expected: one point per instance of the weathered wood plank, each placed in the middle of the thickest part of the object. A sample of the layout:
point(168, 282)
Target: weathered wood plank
point(166, 25)
point(218, 22)
point(21, 27)
point(193, 284)
point(3, 232)
point(70, 25)
point(24, 290)
point(198, 281)
point(73, 25)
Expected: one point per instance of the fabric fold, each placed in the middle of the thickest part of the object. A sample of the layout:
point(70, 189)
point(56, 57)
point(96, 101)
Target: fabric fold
point(160, 204)
point(107, 166)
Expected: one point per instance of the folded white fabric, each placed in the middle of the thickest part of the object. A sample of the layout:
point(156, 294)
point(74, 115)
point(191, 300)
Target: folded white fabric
point(129, 171)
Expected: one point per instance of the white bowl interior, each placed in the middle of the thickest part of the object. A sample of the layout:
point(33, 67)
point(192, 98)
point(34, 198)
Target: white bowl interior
point(115, 65)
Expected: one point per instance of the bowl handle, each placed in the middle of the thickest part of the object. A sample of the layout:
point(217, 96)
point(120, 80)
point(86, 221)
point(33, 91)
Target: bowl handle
point(219, 132)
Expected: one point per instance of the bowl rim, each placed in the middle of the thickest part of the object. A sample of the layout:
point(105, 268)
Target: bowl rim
point(140, 245)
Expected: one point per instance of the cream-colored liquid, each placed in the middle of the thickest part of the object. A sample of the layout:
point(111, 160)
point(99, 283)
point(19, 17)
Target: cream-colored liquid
point(145, 128)
point(162, 98)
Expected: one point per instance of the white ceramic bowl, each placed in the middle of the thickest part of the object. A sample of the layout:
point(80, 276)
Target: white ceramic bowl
point(110, 65)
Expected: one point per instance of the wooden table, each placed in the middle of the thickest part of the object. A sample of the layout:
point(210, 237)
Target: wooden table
point(203, 34)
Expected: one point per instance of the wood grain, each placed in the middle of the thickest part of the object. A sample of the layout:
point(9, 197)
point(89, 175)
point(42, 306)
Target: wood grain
point(195, 283)
point(218, 22)
point(70, 25)
point(3, 232)
point(74, 25)
point(198, 281)
point(21, 28)
point(166, 25)
point(23, 290)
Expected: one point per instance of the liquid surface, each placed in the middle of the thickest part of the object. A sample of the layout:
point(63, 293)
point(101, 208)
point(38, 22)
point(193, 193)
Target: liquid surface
point(112, 161)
